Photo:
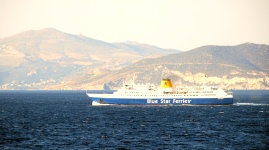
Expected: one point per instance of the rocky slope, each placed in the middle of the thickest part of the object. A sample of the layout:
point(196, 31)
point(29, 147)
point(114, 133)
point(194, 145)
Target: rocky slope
point(244, 66)
point(43, 58)
point(50, 59)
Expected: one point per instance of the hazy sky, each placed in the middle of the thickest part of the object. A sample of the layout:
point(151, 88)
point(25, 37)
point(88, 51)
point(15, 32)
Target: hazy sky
point(173, 24)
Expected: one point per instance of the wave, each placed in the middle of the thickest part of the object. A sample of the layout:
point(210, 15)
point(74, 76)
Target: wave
point(250, 104)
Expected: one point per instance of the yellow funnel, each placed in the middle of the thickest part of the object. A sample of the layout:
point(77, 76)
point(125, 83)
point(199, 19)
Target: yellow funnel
point(166, 83)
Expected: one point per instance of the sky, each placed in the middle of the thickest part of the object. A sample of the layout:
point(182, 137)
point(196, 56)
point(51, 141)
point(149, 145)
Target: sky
point(171, 24)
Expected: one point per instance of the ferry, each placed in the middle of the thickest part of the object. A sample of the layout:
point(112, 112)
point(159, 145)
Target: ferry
point(165, 94)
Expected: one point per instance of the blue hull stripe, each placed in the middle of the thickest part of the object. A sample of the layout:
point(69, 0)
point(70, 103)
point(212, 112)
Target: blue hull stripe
point(168, 101)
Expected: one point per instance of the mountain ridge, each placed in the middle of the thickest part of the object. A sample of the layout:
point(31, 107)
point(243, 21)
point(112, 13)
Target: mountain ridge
point(244, 66)
point(48, 56)
point(56, 45)
point(51, 59)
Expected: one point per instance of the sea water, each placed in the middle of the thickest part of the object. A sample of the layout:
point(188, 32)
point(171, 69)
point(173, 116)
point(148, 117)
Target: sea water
point(66, 120)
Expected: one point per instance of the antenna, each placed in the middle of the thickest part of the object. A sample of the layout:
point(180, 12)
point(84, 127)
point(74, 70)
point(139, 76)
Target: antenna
point(134, 77)
point(204, 81)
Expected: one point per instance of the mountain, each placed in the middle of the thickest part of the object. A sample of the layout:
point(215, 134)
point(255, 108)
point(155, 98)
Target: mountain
point(37, 59)
point(51, 59)
point(55, 46)
point(244, 66)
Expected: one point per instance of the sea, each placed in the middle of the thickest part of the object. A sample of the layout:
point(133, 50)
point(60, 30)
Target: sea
point(67, 120)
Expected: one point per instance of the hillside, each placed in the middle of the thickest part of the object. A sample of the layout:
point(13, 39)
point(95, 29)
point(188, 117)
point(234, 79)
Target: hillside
point(51, 59)
point(56, 46)
point(244, 66)
point(42, 58)
point(217, 60)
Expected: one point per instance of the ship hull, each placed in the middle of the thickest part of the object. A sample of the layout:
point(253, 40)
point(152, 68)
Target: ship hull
point(162, 101)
